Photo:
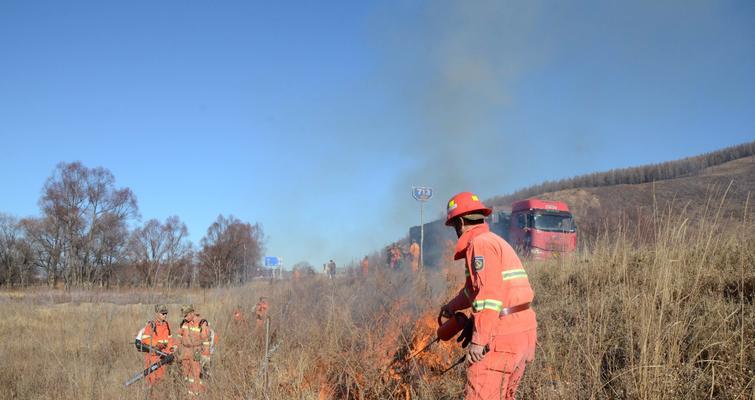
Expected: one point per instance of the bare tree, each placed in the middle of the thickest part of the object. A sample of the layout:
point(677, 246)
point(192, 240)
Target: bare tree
point(45, 242)
point(89, 215)
point(231, 251)
point(16, 257)
point(158, 248)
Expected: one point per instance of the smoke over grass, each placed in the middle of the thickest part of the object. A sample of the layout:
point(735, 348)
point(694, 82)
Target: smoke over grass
point(455, 65)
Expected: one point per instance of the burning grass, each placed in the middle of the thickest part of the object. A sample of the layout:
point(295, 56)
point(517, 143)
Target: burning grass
point(670, 319)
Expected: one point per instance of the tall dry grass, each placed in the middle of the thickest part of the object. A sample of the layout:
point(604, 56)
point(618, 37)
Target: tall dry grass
point(653, 312)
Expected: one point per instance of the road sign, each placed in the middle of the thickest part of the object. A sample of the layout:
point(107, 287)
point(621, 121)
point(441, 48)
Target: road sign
point(272, 261)
point(422, 193)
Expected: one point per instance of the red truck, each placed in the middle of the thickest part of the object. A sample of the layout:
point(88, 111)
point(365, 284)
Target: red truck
point(537, 228)
point(540, 228)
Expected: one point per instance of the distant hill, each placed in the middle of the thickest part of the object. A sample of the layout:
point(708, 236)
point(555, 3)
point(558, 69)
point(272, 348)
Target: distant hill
point(593, 206)
point(685, 167)
point(689, 182)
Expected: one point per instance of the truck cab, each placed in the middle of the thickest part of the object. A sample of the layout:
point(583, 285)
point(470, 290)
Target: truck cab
point(542, 228)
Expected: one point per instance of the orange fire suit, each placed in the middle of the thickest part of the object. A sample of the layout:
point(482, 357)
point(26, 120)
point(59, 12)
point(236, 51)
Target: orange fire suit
point(192, 338)
point(414, 250)
point(395, 257)
point(365, 267)
point(210, 340)
point(260, 313)
point(240, 324)
point(238, 316)
point(496, 282)
point(157, 335)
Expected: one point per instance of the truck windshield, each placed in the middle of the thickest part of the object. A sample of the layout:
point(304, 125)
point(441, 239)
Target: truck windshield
point(553, 222)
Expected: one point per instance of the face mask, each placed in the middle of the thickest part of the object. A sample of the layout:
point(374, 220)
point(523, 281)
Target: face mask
point(457, 227)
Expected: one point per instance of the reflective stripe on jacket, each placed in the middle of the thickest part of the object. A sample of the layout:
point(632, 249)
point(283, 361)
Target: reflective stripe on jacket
point(495, 280)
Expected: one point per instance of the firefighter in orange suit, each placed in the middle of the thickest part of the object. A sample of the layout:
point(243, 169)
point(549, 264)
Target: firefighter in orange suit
point(260, 312)
point(239, 321)
point(497, 289)
point(414, 251)
point(210, 340)
point(365, 267)
point(156, 334)
point(192, 338)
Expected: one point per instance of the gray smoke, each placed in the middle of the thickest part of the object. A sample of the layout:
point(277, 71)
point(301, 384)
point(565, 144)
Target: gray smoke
point(456, 68)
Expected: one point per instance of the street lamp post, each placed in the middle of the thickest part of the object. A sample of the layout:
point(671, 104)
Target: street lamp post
point(422, 194)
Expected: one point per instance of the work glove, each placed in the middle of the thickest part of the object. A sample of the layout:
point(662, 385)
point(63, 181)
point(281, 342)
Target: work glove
point(197, 356)
point(466, 334)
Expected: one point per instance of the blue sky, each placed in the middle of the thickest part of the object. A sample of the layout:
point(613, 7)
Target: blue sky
point(315, 118)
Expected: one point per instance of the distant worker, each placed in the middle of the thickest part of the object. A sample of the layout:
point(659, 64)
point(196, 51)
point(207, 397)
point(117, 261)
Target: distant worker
point(331, 269)
point(296, 275)
point(505, 330)
point(260, 312)
point(365, 266)
point(414, 251)
point(238, 315)
point(209, 341)
point(192, 338)
point(395, 257)
point(156, 335)
point(240, 324)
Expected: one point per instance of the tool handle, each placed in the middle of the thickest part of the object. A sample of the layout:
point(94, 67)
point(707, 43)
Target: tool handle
point(462, 358)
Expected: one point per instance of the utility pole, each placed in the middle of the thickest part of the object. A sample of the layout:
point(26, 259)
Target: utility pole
point(267, 357)
point(422, 194)
point(421, 235)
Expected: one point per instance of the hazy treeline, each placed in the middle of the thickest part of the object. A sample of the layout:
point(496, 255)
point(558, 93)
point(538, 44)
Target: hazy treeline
point(635, 175)
point(88, 234)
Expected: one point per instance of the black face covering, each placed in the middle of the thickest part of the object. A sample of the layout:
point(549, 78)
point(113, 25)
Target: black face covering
point(457, 227)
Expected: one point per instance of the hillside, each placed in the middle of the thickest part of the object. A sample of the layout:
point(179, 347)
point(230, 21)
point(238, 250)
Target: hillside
point(593, 205)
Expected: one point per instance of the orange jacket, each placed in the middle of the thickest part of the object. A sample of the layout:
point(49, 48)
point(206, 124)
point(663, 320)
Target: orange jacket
point(495, 280)
point(238, 316)
point(414, 250)
point(158, 336)
point(209, 340)
point(191, 338)
point(261, 310)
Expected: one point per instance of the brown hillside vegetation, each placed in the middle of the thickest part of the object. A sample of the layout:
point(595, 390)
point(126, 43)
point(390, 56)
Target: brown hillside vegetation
point(675, 169)
point(624, 318)
point(735, 178)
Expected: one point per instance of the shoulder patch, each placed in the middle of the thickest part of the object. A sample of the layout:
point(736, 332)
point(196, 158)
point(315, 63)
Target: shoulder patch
point(479, 263)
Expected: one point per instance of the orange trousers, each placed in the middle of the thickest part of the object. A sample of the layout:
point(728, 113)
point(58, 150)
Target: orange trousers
point(191, 371)
point(156, 376)
point(498, 375)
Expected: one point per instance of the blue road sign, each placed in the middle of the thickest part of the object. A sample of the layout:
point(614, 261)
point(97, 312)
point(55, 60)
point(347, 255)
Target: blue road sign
point(272, 261)
point(422, 193)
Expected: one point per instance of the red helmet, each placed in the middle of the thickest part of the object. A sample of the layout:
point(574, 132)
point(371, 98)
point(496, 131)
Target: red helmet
point(465, 203)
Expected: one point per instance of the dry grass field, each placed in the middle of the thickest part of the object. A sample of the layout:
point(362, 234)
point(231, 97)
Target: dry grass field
point(672, 317)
